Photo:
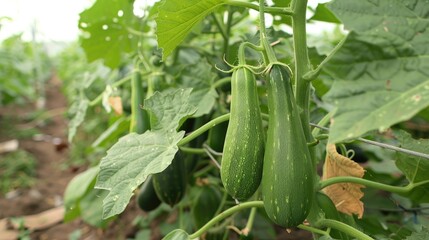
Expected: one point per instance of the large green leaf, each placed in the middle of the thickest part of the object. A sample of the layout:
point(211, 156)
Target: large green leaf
point(109, 28)
point(176, 18)
point(415, 168)
point(382, 70)
point(134, 157)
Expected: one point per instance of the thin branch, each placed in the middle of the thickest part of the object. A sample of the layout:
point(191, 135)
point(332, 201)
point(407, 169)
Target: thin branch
point(383, 145)
point(212, 158)
point(211, 150)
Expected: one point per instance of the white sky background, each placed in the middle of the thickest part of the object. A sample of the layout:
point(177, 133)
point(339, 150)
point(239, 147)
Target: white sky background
point(55, 20)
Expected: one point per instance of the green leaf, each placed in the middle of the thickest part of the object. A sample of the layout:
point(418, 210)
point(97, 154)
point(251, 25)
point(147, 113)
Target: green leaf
point(168, 109)
point(422, 235)
point(381, 72)
point(177, 234)
point(200, 78)
point(322, 13)
point(176, 18)
point(92, 206)
point(414, 168)
point(78, 108)
point(134, 157)
point(130, 161)
point(109, 28)
point(282, 19)
point(75, 191)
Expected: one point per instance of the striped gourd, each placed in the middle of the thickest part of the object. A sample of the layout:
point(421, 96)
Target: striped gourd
point(287, 181)
point(243, 150)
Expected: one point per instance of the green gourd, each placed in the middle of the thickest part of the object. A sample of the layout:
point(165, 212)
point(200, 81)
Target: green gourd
point(287, 181)
point(206, 203)
point(170, 184)
point(243, 151)
point(147, 199)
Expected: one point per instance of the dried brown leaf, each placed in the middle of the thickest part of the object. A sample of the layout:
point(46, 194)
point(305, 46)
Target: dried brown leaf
point(346, 196)
point(116, 104)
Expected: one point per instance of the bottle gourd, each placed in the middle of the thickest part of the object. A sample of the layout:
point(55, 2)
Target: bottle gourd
point(243, 151)
point(287, 181)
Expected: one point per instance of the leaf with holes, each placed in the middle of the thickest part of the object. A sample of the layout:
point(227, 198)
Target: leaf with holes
point(109, 28)
point(346, 196)
point(176, 18)
point(382, 70)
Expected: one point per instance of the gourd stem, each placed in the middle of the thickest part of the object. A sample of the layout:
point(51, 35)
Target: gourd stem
point(221, 82)
point(224, 215)
point(203, 129)
point(268, 53)
point(242, 53)
point(349, 230)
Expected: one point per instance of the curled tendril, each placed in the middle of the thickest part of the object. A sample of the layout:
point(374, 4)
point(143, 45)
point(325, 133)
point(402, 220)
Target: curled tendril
point(226, 61)
point(224, 71)
point(350, 153)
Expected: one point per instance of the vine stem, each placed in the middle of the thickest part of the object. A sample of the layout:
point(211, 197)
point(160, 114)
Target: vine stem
point(345, 228)
point(203, 129)
point(302, 66)
point(313, 230)
point(193, 150)
point(369, 183)
point(225, 214)
point(250, 221)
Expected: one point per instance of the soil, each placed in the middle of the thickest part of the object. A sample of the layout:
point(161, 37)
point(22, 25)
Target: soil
point(53, 177)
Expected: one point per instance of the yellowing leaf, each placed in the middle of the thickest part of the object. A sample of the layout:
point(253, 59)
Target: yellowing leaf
point(346, 196)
